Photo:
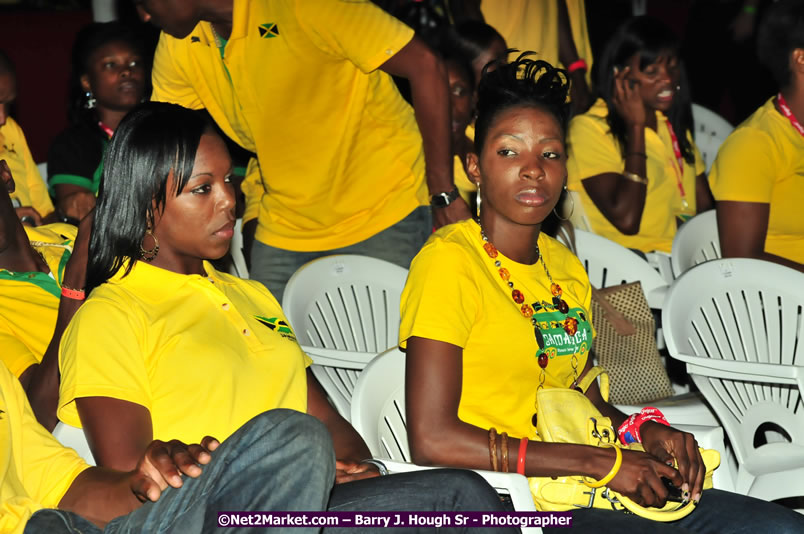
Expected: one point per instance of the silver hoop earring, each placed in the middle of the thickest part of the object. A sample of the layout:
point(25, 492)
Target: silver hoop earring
point(572, 210)
point(478, 202)
point(90, 103)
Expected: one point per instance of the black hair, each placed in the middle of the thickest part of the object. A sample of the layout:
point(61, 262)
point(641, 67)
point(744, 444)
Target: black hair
point(154, 139)
point(780, 32)
point(475, 37)
point(649, 39)
point(6, 65)
point(89, 39)
point(524, 82)
point(450, 48)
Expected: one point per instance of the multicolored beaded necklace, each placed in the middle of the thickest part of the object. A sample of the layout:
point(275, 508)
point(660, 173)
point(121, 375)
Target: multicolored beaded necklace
point(570, 324)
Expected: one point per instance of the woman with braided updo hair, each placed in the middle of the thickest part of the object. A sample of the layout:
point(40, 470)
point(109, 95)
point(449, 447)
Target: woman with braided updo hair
point(494, 309)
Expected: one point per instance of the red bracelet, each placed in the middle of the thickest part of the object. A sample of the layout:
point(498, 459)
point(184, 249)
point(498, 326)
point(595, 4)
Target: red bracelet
point(75, 294)
point(629, 430)
point(523, 450)
point(577, 65)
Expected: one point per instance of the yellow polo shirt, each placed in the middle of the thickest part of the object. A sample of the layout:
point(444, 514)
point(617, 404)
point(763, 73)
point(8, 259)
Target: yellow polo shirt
point(35, 469)
point(533, 25)
point(203, 354)
point(29, 302)
point(763, 161)
point(455, 294)
point(340, 153)
point(593, 150)
point(31, 189)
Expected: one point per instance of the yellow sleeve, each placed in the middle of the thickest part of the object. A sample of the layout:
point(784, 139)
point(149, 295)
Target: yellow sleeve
point(356, 30)
point(441, 300)
point(592, 149)
point(744, 170)
point(169, 80)
point(37, 189)
point(15, 354)
point(102, 354)
point(253, 189)
point(47, 468)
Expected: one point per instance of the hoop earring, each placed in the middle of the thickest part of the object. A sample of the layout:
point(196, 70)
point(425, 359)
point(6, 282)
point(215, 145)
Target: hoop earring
point(572, 210)
point(90, 103)
point(149, 254)
point(477, 203)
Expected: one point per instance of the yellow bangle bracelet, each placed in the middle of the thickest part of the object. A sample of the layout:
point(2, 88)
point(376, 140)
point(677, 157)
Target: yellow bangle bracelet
point(634, 177)
point(618, 461)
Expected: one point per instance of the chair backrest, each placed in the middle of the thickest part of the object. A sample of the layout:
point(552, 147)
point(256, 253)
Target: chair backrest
point(739, 326)
point(378, 406)
point(42, 168)
point(710, 131)
point(696, 241)
point(608, 263)
point(348, 303)
point(239, 267)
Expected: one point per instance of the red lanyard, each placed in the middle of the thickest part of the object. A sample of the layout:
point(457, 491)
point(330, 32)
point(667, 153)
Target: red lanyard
point(680, 160)
point(789, 114)
point(108, 131)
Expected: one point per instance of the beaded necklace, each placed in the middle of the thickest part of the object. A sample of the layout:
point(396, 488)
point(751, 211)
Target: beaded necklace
point(569, 324)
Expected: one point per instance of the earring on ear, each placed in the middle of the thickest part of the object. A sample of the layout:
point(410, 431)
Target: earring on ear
point(477, 203)
point(90, 103)
point(149, 254)
point(572, 209)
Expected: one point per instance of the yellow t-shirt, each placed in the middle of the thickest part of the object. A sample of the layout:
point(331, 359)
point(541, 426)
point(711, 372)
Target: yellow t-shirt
point(31, 189)
point(340, 151)
point(593, 150)
point(203, 354)
point(455, 295)
point(35, 469)
point(29, 302)
point(763, 161)
point(533, 25)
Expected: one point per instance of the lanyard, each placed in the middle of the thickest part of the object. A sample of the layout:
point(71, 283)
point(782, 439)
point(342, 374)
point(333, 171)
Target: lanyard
point(108, 131)
point(789, 114)
point(680, 161)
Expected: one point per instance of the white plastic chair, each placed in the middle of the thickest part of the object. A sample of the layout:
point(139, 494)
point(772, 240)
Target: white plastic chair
point(696, 241)
point(344, 310)
point(378, 415)
point(42, 168)
point(74, 437)
point(737, 323)
point(239, 267)
point(710, 131)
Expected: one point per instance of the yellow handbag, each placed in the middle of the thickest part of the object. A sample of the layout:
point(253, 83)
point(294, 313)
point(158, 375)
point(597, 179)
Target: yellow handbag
point(568, 416)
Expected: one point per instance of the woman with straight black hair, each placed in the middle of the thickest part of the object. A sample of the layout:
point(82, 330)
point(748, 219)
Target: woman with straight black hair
point(494, 311)
point(109, 77)
point(165, 345)
point(632, 157)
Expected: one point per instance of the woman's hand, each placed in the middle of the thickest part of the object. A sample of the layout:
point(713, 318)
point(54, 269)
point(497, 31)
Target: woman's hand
point(640, 478)
point(666, 443)
point(163, 464)
point(78, 204)
point(348, 471)
point(627, 100)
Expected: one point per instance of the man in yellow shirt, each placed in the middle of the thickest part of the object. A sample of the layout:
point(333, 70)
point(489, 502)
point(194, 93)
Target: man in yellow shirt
point(38, 474)
point(343, 163)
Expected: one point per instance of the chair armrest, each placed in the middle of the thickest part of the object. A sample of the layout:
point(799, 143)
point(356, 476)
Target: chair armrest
point(338, 358)
point(757, 371)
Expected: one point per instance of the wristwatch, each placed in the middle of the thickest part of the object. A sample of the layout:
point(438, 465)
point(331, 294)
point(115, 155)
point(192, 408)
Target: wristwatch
point(442, 200)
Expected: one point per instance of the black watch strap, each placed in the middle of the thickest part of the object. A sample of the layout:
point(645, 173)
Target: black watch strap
point(442, 200)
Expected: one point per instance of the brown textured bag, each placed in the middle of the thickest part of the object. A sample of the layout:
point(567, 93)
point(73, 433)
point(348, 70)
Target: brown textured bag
point(625, 345)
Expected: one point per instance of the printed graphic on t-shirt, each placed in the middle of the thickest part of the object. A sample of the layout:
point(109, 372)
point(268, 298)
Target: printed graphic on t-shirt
point(565, 335)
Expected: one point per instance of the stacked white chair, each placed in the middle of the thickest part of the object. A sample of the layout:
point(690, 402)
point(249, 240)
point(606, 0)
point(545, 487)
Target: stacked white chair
point(738, 325)
point(710, 131)
point(239, 267)
point(344, 310)
point(696, 241)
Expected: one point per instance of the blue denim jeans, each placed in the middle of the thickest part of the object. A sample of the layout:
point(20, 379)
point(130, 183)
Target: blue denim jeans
point(397, 244)
point(283, 460)
point(719, 512)
point(280, 460)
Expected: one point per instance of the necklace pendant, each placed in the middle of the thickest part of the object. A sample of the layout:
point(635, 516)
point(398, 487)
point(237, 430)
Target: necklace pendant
point(684, 203)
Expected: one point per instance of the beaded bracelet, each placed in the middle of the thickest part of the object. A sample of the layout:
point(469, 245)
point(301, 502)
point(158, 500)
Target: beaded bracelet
point(523, 451)
point(618, 461)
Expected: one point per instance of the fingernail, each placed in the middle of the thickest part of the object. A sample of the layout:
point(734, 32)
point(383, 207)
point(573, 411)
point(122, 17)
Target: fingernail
point(685, 495)
point(685, 487)
point(696, 498)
